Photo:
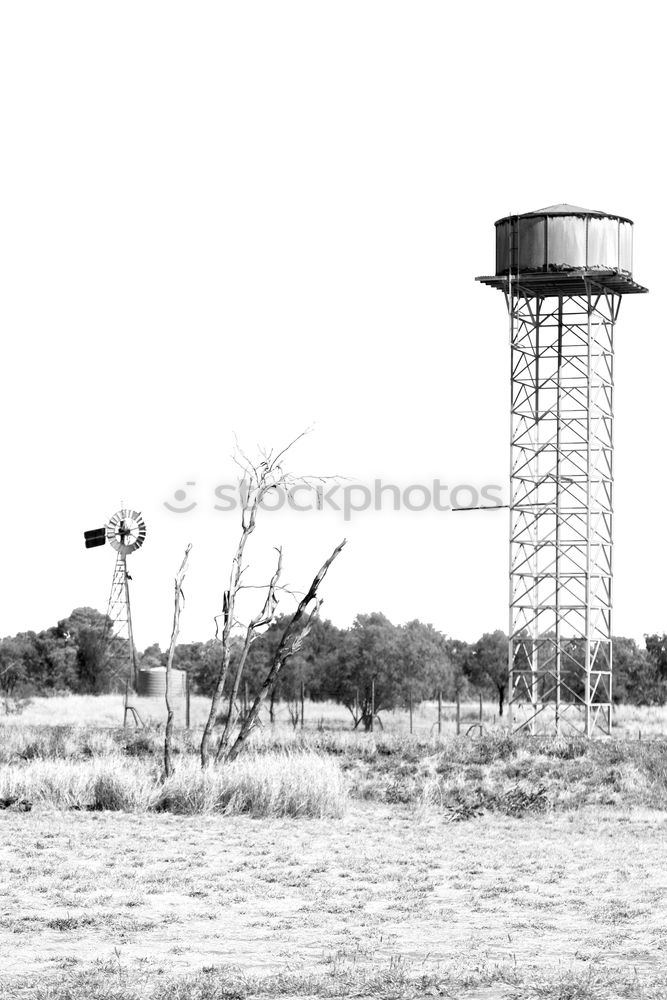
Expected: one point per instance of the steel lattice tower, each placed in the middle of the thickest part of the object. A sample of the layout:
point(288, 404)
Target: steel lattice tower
point(563, 271)
point(118, 638)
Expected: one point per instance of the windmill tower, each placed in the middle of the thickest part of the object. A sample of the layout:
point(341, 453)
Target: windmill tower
point(563, 271)
point(125, 531)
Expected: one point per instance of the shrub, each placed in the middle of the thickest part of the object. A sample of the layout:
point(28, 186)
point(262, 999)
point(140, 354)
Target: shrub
point(403, 790)
point(142, 743)
point(487, 748)
point(522, 798)
point(121, 789)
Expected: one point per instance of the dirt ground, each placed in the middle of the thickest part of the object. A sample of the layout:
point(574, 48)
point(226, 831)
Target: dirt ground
point(175, 894)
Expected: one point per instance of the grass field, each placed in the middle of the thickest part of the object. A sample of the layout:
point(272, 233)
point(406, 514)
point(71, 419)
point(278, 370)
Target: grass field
point(330, 864)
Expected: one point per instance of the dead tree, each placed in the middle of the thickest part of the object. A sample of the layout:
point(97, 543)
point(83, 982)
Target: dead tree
point(178, 603)
point(296, 631)
point(260, 478)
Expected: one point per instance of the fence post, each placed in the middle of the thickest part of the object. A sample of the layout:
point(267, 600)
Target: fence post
point(187, 700)
point(439, 713)
point(480, 707)
point(458, 713)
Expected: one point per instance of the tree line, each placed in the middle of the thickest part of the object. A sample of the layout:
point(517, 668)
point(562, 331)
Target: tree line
point(398, 663)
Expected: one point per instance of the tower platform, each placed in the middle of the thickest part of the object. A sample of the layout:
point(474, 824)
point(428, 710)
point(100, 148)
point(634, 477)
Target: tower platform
point(547, 284)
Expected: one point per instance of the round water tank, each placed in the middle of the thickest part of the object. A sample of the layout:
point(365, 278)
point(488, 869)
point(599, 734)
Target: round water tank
point(151, 683)
point(563, 238)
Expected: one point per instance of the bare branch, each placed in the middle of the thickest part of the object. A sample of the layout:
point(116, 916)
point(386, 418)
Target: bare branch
point(287, 447)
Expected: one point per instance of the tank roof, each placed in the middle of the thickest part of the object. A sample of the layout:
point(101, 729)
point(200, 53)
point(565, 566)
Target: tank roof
point(565, 209)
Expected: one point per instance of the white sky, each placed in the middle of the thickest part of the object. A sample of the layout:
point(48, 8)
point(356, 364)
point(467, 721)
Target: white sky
point(254, 217)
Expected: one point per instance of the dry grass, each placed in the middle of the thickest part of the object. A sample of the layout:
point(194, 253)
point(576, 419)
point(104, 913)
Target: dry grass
point(301, 772)
point(107, 711)
point(515, 776)
point(297, 784)
point(398, 980)
point(635, 721)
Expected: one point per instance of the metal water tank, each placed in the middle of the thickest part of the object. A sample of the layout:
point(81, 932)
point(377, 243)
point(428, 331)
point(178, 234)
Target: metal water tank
point(151, 683)
point(563, 238)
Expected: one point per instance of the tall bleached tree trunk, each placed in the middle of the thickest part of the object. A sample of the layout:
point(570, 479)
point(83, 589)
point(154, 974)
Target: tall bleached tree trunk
point(178, 603)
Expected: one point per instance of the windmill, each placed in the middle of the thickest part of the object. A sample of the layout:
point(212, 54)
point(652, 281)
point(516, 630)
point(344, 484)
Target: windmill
point(125, 531)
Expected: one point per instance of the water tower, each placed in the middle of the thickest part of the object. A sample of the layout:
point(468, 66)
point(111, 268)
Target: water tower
point(563, 271)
